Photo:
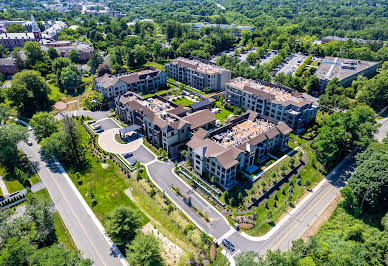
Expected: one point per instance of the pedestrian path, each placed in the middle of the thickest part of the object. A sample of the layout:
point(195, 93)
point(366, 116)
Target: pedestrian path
point(3, 187)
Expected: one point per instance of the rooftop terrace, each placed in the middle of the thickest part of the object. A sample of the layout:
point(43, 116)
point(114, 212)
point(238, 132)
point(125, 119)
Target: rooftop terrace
point(242, 132)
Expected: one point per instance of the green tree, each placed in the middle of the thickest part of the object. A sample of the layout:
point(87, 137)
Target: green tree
point(34, 53)
point(52, 53)
point(122, 225)
point(15, 28)
point(70, 79)
point(94, 61)
point(5, 112)
point(57, 255)
point(75, 56)
point(72, 140)
point(104, 69)
point(369, 182)
point(144, 250)
point(44, 125)
point(16, 252)
point(28, 92)
point(10, 135)
point(39, 211)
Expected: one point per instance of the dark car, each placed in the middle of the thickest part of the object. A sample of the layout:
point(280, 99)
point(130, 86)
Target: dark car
point(228, 245)
point(128, 155)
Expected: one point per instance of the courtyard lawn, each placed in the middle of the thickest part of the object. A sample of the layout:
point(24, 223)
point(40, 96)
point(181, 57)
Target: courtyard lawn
point(183, 101)
point(223, 114)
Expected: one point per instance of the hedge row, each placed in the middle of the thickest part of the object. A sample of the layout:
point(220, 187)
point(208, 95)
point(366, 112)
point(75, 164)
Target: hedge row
point(300, 69)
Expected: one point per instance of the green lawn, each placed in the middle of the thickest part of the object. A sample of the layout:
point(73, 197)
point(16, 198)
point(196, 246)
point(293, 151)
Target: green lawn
point(183, 101)
point(223, 114)
point(34, 179)
point(13, 186)
point(108, 186)
point(155, 65)
point(63, 234)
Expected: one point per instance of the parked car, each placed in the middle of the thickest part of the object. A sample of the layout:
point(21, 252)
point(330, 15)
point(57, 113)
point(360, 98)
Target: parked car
point(128, 155)
point(228, 245)
point(99, 130)
point(29, 142)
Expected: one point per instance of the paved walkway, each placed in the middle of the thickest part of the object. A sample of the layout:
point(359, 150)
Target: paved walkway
point(107, 141)
point(3, 187)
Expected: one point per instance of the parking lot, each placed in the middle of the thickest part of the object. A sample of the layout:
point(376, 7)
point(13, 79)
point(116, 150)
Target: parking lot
point(268, 57)
point(107, 124)
point(291, 64)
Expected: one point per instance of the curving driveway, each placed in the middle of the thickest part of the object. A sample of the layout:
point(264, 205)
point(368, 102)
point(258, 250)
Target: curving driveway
point(107, 141)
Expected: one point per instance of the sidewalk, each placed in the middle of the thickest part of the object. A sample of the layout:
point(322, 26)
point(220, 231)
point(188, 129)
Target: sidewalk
point(3, 187)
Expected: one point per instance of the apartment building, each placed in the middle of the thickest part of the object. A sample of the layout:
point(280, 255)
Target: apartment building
point(224, 152)
point(144, 80)
point(198, 73)
point(165, 125)
point(275, 101)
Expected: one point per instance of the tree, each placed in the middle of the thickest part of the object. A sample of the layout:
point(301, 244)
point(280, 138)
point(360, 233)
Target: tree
point(5, 112)
point(34, 53)
point(70, 79)
point(15, 28)
point(44, 125)
point(19, 61)
point(369, 182)
point(249, 258)
point(53, 146)
point(52, 53)
point(75, 56)
point(10, 135)
point(122, 225)
point(144, 250)
point(103, 69)
point(39, 211)
point(28, 92)
point(94, 61)
point(16, 252)
point(72, 140)
point(57, 255)
point(59, 64)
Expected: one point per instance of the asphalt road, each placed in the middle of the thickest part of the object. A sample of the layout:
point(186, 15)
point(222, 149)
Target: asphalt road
point(289, 229)
point(88, 238)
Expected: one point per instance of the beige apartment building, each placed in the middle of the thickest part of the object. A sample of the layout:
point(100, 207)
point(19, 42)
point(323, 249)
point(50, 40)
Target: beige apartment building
point(145, 80)
point(226, 151)
point(272, 100)
point(198, 73)
point(165, 125)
